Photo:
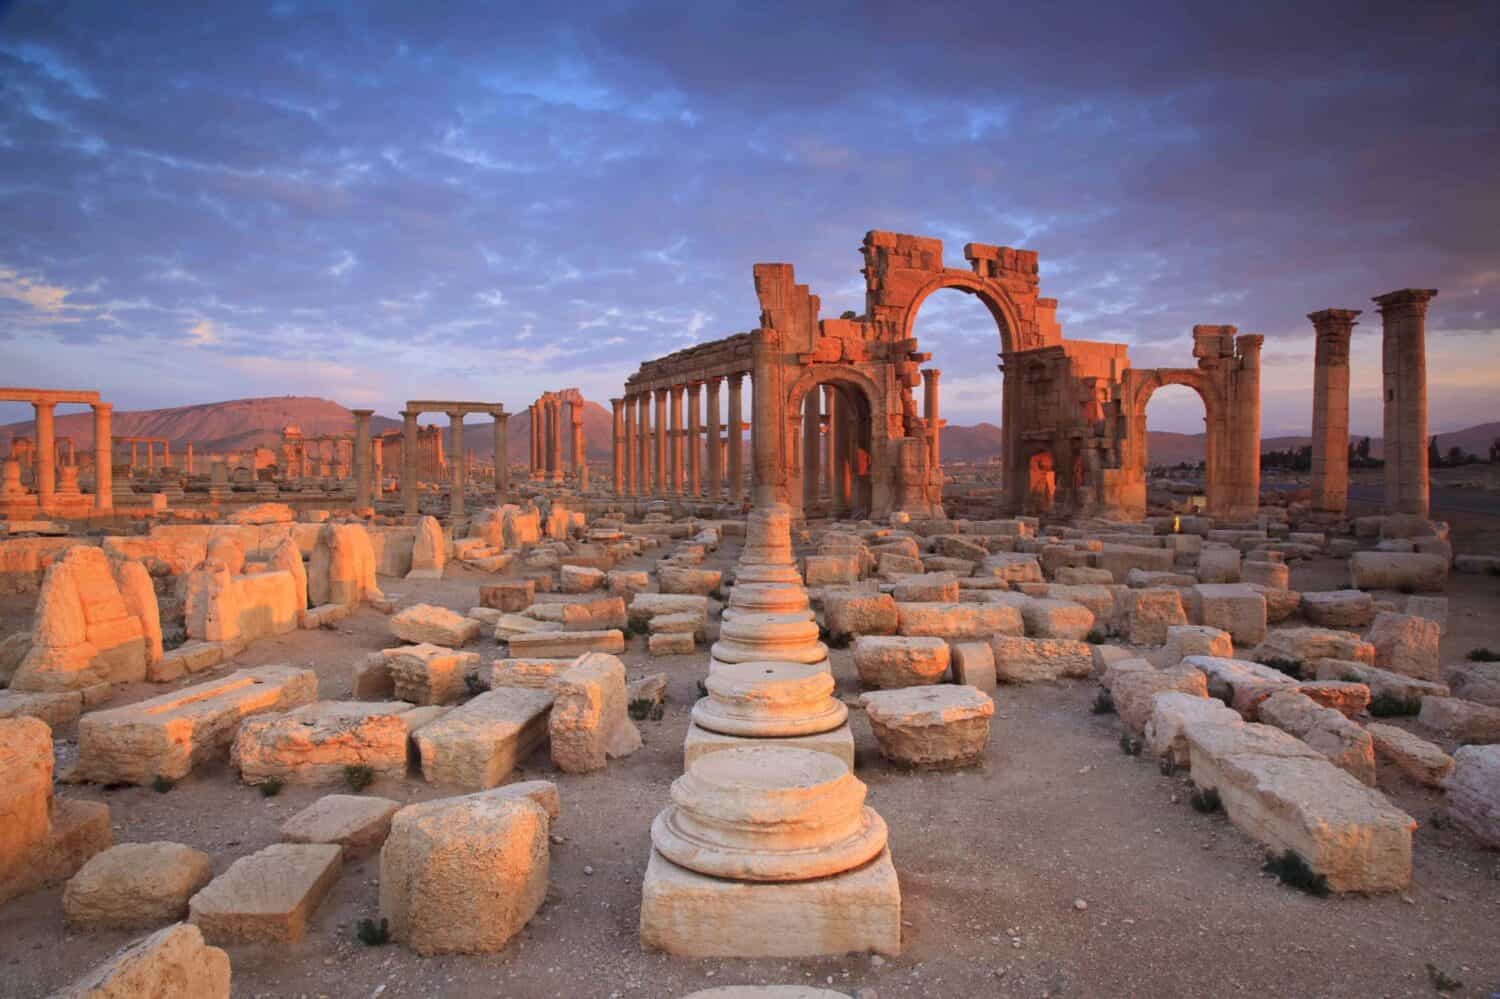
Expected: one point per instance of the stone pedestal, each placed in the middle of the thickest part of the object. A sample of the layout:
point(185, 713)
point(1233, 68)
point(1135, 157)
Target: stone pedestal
point(782, 704)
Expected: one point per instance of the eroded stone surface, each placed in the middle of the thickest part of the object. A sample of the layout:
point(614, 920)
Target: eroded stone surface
point(269, 896)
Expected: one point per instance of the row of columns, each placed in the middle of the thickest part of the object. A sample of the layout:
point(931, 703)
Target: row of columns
point(457, 463)
point(546, 441)
point(44, 458)
point(828, 451)
point(663, 458)
point(1404, 381)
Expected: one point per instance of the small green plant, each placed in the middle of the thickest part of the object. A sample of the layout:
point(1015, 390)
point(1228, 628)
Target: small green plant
point(645, 709)
point(1441, 981)
point(1129, 745)
point(1291, 667)
point(161, 785)
point(270, 788)
point(1205, 800)
point(373, 934)
point(1483, 655)
point(718, 594)
point(630, 631)
point(358, 776)
point(1388, 705)
point(1104, 702)
point(1295, 872)
point(474, 684)
point(1166, 766)
point(1096, 637)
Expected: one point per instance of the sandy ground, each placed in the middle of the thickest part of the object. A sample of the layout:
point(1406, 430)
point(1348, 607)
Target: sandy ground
point(991, 861)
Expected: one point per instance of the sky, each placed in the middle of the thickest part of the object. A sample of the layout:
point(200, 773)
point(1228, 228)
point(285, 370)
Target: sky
point(380, 201)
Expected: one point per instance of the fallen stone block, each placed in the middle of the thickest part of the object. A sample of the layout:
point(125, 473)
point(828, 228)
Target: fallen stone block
point(316, 743)
point(1152, 614)
point(357, 823)
point(1413, 755)
point(670, 643)
point(1232, 607)
point(1348, 699)
point(1300, 647)
point(1474, 792)
point(974, 665)
point(1405, 644)
point(478, 744)
point(1338, 608)
point(1134, 692)
point(561, 644)
point(56, 709)
point(595, 615)
point(269, 896)
point(893, 661)
point(463, 875)
point(1347, 745)
point(588, 723)
point(135, 885)
point(172, 963)
point(1408, 571)
point(1473, 681)
point(1040, 660)
point(1048, 618)
point(1460, 720)
point(424, 624)
point(167, 736)
point(1172, 711)
point(847, 613)
point(1185, 640)
point(931, 587)
point(827, 570)
point(940, 726)
point(511, 597)
point(1219, 565)
point(1238, 682)
point(1386, 688)
point(958, 622)
point(429, 674)
point(534, 673)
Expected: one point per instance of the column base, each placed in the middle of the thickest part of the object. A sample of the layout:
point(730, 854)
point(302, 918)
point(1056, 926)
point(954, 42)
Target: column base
point(693, 915)
point(700, 742)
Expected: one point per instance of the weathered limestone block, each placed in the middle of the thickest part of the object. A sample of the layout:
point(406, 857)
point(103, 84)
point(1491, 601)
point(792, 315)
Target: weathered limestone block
point(1172, 711)
point(425, 624)
point(671, 643)
point(1140, 579)
point(889, 566)
point(1134, 692)
point(579, 579)
point(341, 569)
point(627, 582)
point(958, 547)
point(829, 569)
point(83, 634)
point(1307, 645)
point(136, 885)
point(1120, 559)
point(429, 551)
point(1287, 796)
point(428, 674)
point(1219, 565)
point(847, 613)
point(287, 557)
point(1037, 660)
point(1238, 682)
point(905, 547)
point(356, 822)
point(1382, 683)
point(269, 896)
point(227, 551)
point(1346, 745)
point(1048, 618)
point(1397, 571)
point(561, 644)
point(60, 708)
point(694, 915)
point(537, 674)
point(463, 875)
point(1185, 640)
point(13, 649)
point(1411, 754)
point(314, 743)
point(1474, 792)
point(1012, 567)
point(1272, 575)
point(588, 723)
point(974, 665)
point(1082, 575)
point(1338, 608)
point(595, 615)
point(478, 744)
point(172, 963)
point(933, 726)
point(1348, 699)
point(1152, 614)
point(512, 596)
point(1405, 644)
point(892, 661)
point(959, 622)
point(1475, 682)
point(1232, 607)
point(25, 799)
point(931, 587)
point(646, 606)
point(167, 736)
point(140, 602)
point(1461, 721)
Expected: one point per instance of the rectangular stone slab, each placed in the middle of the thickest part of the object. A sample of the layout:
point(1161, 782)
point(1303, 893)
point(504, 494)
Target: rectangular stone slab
point(269, 896)
point(167, 735)
point(478, 744)
point(691, 915)
point(556, 644)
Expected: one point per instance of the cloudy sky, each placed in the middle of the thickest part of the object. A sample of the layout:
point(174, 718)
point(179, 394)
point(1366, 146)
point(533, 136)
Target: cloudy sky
point(375, 202)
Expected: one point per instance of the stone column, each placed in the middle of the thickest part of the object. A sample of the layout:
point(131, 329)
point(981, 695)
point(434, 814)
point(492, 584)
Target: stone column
point(660, 431)
point(45, 455)
point(1403, 366)
point(1332, 329)
point(1246, 426)
point(839, 417)
point(811, 443)
point(377, 465)
point(736, 441)
point(580, 452)
point(555, 448)
point(694, 440)
point(825, 486)
point(362, 458)
point(133, 457)
point(409, 463)
point(456, 464)
point(73, 456)
point(631, 452)
point(674, 440)
point(617, 448)
point(531, 419)
point(502, 456)
point(715, 442)
point(187, 459)
point(643, 443)
point(104, 456)
point(150, 456)
point(930, 378)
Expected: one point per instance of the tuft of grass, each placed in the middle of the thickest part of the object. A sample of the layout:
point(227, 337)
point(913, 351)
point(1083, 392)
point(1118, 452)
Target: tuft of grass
point(1483, 655)
point(372, 934)
point(645, 709)
point(474, 684)
point(1095, 637)
point(161, 785)
point(1166, 766)
point(1291, 667)
point(1294, 872)
point(358, 776)
point(270, 788)
point(1130, 745)
point(1104, 702)
point(1205, 800)
point(630, 631)
point(1388, 705)
point(1441, 981)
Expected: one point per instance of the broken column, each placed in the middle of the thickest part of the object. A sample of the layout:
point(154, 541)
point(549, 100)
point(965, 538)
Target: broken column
point(1403, 368)
point(362, 490)
point(1330, 437)
point(104, 457)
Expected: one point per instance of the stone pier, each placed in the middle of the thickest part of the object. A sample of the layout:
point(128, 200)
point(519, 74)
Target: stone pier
point(1403, 366)
point(1332, 329)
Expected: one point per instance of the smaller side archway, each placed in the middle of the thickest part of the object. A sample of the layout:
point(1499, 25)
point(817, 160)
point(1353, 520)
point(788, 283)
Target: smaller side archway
point(1140, 385)
point(834, 417)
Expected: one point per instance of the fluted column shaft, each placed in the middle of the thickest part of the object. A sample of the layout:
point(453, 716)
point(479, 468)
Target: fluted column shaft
point(736, 441)
point(715, 443)
point(104, 456)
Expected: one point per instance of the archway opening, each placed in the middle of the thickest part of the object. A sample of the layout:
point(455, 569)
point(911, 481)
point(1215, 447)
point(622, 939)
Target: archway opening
point(1175, 449)
point(835, 448)
point(964, 338)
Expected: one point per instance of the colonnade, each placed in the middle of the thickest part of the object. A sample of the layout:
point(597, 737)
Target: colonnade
point(669, 456)
point(458, 466)
point(44, 470)
point(547, 438)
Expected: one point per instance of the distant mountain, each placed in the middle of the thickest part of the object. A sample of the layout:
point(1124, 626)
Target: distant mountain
point(978, 443)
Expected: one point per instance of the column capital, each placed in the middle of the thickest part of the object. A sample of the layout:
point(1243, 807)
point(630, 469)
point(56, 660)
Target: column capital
point(694, 387)
point(1249, 343)
point(363, 412)
point(103, 407)
point(1406, 299)
point(1334, 319)
point(736, 379)
point(44, 405)
point(930, 373)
